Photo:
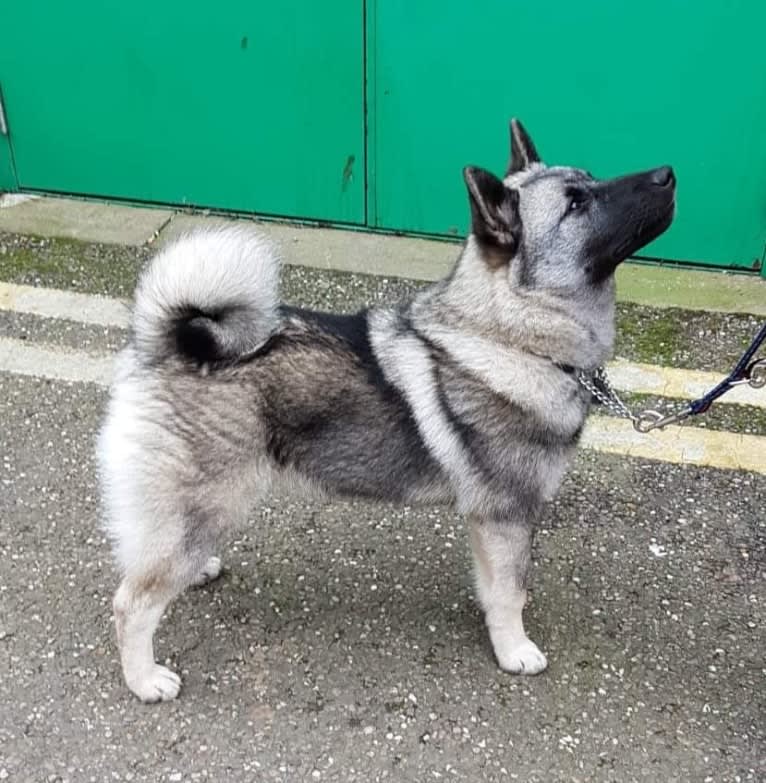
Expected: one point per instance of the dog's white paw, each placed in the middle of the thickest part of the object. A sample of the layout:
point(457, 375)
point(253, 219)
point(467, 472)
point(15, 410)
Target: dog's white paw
point(520, 657)
point(157, 684)
point(210, 571)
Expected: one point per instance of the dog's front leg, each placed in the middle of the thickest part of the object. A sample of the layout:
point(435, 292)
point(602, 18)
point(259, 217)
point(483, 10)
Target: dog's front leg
point(502, 553)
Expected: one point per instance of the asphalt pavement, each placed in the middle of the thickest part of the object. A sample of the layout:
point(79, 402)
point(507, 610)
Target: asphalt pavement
point(343, 642)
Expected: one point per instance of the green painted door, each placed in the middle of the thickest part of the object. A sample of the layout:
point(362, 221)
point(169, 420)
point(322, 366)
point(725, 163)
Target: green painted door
point(610, 86)
point(238, 105)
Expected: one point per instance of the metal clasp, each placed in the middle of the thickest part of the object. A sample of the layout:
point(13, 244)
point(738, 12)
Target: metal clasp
point(753, 376)
point(654, 420)
point(756, 375)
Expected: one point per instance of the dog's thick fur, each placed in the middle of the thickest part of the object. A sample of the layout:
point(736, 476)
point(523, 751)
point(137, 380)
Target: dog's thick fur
point(466, 394)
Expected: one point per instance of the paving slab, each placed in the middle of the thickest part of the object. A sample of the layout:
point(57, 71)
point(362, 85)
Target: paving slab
point(89, 221)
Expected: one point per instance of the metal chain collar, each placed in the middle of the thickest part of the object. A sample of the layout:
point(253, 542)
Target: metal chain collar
point(598, 384)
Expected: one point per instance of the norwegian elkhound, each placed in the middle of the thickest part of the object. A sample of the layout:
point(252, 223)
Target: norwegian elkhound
point(467, 394)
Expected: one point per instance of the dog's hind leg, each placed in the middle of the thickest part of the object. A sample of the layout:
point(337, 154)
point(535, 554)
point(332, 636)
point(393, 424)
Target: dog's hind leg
point(139, 603)
point(157, 571)
point(502, 554)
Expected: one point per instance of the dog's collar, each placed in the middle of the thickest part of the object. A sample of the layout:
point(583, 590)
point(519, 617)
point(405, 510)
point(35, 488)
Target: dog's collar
point(567, 368)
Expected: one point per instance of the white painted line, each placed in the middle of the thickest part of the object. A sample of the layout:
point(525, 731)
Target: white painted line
point(681, 384)
point(52, 303)
point(626, 376)
point(23, 358)
point(682, 445)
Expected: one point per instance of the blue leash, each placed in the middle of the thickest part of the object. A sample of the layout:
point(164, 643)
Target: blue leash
point(747, 370)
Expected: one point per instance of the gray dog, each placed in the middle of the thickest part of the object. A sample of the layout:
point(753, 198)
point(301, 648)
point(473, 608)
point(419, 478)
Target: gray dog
point(467, 394)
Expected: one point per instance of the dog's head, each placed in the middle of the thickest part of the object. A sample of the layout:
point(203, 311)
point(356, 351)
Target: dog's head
point(559, 228)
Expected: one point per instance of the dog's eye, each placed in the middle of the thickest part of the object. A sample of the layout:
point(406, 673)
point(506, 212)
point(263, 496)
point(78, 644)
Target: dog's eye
point(577, 201)
point(579, 198)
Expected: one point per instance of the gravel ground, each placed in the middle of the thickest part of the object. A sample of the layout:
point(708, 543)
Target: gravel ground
point(77, 266)
point(343, 644)
point(679, 338)
point(684, 338)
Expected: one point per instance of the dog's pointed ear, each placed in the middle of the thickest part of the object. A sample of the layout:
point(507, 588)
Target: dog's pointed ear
point(495, 217)
point(523, 152)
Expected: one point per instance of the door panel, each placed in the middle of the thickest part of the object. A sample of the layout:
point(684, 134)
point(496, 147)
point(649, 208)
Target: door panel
point(612, 87)
point(237, 105)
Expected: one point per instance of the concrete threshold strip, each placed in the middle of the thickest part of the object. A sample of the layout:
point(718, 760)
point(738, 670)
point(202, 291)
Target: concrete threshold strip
point(626, 376)
point(680, 445)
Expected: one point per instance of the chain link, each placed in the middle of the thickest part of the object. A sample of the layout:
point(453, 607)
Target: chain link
point(600, 387)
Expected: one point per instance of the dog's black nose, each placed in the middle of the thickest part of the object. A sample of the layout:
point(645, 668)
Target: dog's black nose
point(663, 177)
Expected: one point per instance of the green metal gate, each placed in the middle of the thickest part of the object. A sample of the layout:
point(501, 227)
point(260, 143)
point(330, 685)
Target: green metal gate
point(365, 112)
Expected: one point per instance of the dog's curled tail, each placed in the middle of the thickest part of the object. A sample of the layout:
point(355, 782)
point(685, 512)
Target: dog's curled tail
point(209, 296)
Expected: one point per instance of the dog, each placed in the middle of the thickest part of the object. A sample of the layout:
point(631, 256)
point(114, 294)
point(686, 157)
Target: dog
point(466, 394)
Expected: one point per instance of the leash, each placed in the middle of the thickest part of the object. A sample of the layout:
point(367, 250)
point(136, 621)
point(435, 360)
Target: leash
point(747, 370)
